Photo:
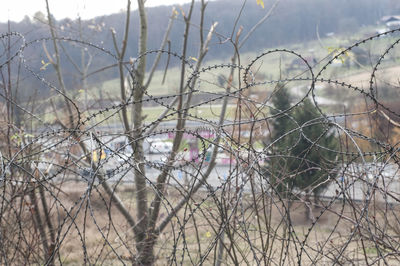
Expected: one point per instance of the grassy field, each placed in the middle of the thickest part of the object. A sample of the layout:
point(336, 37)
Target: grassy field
point(272, 67)
point(278, 65)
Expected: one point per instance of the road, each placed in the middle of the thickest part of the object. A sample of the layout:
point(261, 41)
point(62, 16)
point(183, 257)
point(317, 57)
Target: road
point(352, 185)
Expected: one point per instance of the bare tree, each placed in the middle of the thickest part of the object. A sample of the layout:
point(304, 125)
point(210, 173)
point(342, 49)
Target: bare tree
point(76, 191)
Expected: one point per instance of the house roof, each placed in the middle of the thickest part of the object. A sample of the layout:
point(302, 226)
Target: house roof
point(390, 18)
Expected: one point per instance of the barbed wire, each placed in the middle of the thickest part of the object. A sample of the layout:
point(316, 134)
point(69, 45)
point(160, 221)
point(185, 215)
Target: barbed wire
point(234, 192)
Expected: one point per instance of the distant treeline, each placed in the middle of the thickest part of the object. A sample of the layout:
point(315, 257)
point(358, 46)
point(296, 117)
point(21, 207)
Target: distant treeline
point(293, 21)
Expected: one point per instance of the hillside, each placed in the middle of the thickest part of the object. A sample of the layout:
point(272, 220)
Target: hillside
point(293, 21)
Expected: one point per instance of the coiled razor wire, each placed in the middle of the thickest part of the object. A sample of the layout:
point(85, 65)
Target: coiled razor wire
point(68, 193)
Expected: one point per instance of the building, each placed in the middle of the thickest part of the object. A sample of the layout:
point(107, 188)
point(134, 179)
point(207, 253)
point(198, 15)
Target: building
point(392, 21)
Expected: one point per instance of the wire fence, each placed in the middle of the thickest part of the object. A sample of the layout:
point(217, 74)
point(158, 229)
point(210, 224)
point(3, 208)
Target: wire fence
point(235, 191)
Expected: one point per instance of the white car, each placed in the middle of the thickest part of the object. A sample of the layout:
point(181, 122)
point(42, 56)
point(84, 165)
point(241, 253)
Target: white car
point(160, 147)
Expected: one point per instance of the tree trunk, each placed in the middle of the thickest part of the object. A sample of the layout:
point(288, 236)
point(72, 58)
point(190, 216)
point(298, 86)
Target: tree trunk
point(309, 207)
point(145, 253)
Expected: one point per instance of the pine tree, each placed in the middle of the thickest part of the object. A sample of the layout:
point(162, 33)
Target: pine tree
point(314, 159)
point(302, 159)
point(281, 101)
point(282, 123)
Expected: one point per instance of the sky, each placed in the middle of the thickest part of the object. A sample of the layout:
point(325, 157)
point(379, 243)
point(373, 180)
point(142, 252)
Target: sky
point(15, 10)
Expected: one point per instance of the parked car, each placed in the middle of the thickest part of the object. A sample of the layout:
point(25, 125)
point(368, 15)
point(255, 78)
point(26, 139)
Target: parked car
point(160, 147)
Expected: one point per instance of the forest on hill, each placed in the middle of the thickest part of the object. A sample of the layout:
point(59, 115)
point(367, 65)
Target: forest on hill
point(293, 21)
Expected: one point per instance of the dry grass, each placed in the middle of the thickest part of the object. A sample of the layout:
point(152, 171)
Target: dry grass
point(96, 230)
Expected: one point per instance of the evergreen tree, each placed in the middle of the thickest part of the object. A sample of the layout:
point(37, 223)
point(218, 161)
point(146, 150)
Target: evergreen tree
point(281, 124)
point(281, 101)
point(314, 161)
point(300, 160)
